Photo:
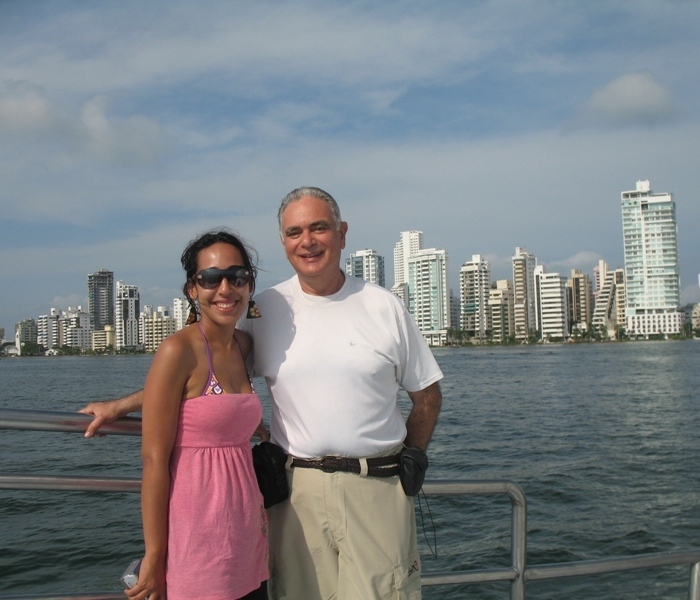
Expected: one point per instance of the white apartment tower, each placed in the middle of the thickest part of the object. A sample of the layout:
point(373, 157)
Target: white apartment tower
point(474, 287)
point(552, 312)
point(367, 265)
point(429, 295)
point(126, 318)
point(524, 299)
point(651, 262)
point(609, 307)
point(48, 330)
point(410, 243)
point(181, 310)
point(75, 328)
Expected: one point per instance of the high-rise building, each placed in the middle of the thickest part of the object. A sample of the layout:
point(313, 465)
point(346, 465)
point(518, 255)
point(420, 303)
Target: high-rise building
point(429, 294)
point(579, 300)
point(126, 326)
point(524, 300)
point(75, 328)
point(101, 298)
point(25, 332)
point(474, 288)
point(501, 305)
point(181, 310)
point(410, 243)
point(48, 330)
point(609, 307)
point(552, 314)
point(367, 265)
point(651, 262)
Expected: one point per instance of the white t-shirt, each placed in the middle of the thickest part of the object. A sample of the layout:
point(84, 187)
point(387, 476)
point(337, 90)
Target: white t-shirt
point(334, 365)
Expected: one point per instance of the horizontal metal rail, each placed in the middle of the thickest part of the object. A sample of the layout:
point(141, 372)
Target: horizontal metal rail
point(70, 422)
point(518, 573)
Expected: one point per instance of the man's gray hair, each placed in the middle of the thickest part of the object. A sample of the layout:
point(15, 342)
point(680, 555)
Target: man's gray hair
point(314, 192)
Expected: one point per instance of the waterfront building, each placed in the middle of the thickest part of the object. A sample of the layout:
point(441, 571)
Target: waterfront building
point(501, 308)
point(75, 328)
point(25, 332)
point(610, 300)
point(552, 313)
point(157, 325)
point(651, 262)
point(366, 264)
point(146, 313)
point(474, 288)
point(181, 310)
point(455, 310)
point(429, 294)
point(524, 301)
point(579, 301)
point(695, 317)
point(101, 298)
point(409, 243)
point(48, 330)
point(103, 338)
point(127, 316)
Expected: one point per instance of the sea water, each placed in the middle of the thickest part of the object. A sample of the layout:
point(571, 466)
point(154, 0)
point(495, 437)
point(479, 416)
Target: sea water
point(603, 438)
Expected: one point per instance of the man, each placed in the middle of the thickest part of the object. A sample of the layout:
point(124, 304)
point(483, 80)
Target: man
point(334, 351)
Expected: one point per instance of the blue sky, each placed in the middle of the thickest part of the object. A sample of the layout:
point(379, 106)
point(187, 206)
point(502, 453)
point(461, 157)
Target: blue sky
point(127, 128)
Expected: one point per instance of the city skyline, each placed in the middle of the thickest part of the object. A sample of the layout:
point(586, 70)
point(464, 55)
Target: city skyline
point(126, 129)
point(409, 252)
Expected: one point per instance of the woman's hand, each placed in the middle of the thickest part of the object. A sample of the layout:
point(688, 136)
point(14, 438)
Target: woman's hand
point(151, 581)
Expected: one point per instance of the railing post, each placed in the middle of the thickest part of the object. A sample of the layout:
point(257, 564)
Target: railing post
point(518, 540)
point(694, 587)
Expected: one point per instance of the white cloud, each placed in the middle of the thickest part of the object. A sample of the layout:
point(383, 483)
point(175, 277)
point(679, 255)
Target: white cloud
point(632, 100)
point(24, 108)
point(134, 140)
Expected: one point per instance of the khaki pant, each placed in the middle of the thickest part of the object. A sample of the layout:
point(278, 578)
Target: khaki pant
point(343, 537)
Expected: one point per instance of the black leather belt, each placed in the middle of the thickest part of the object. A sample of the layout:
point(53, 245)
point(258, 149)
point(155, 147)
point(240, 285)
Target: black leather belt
point(381, 466)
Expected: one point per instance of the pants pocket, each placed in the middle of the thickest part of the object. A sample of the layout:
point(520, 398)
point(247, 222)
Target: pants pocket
point(407, 578)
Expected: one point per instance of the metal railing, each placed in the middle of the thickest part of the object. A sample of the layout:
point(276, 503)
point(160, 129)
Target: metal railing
point(518, 573)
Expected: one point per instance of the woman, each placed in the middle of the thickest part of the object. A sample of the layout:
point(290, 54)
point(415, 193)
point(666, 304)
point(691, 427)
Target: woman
point(205, 528)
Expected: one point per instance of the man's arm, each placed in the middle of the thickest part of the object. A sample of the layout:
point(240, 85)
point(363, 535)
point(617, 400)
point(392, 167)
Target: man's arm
point(423, 416)
point(110, 410)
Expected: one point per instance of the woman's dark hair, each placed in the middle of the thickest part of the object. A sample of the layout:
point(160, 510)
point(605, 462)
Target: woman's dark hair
point(190, 257)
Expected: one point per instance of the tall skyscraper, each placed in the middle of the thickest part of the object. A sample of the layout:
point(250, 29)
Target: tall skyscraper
point(101, 298)
point(651, 262)
point(429, 294)
point(524, 300)
point(410, 243)
point(474, 288)
point(127, 316)
point(367, 265)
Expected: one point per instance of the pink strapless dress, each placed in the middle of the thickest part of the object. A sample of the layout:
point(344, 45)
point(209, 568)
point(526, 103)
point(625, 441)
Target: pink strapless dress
point(217, 537)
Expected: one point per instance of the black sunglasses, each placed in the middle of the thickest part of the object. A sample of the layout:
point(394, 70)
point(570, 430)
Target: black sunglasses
point(210, 279)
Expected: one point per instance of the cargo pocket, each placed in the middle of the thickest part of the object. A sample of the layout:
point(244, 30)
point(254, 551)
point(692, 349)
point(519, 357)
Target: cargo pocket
point(407, 578)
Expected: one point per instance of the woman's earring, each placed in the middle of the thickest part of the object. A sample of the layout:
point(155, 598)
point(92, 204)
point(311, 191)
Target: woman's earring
point(253, 310)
